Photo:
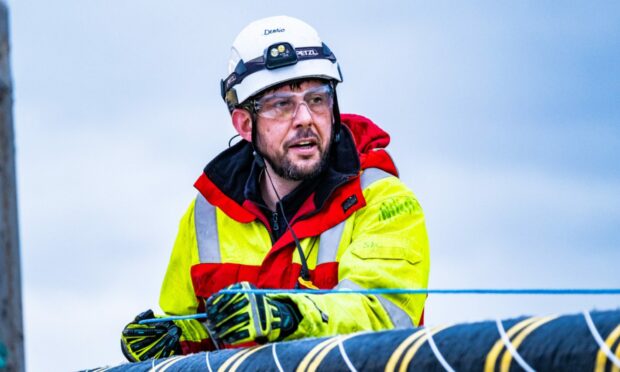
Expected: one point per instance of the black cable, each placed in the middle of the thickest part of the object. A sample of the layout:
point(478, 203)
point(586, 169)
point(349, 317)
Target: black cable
point(232, 138)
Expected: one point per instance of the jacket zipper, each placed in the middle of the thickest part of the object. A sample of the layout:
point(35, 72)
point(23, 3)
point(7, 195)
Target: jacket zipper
point(324, 316)
point(274, 221)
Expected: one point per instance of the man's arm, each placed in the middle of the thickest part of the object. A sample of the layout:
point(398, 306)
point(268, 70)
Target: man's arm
point(388, 249)
point(177, 295)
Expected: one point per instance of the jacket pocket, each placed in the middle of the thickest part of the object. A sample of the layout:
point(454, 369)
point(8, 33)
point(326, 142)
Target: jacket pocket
point(387, 249)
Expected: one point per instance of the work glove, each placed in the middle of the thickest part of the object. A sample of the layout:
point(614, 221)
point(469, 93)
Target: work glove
point(140, 342)
point(244, 317)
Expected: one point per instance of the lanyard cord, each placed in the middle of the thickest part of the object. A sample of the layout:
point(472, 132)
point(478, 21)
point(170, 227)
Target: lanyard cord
point(305, 272)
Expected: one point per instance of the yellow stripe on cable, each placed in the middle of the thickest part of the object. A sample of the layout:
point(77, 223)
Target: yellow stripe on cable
point(489, 365)
point(507, 358)
point(510, 348)
point(240, 360)
point(601, 358)
point(319, 358)
point(393, 361)
point(303, 365)
point(416, 346)
point(616, 368)
point(167, 363)
point(599, 340)
point(232, 359)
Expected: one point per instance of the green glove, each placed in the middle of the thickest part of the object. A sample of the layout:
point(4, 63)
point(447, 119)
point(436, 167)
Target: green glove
point(140, 342)
point(243, 317)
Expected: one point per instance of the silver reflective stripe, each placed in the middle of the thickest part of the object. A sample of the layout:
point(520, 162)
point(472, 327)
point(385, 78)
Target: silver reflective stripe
point(330, 239)
point(398, 316)
point(328, 243)
point(205, 222)
point(372, 175)
point(254, 307)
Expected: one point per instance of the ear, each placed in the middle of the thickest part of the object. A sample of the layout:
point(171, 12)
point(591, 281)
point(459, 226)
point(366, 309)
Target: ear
point(242, 121)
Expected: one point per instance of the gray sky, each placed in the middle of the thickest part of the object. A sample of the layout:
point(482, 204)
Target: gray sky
point(504, 120)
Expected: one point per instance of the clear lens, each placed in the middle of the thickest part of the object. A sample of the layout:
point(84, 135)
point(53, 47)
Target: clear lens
point(283, 106)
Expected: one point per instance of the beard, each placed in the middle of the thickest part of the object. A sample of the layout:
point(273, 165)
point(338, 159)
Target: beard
point(287, 169)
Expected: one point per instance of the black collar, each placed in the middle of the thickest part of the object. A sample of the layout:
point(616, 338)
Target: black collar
point(236, 173)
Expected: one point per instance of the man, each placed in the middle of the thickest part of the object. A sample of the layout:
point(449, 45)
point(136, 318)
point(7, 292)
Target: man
point(307, 199)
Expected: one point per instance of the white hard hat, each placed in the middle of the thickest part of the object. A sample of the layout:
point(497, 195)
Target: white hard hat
point(274, 50)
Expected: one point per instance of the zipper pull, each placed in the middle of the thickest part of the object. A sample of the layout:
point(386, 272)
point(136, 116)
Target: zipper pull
point(306, 283)
point(274, 221)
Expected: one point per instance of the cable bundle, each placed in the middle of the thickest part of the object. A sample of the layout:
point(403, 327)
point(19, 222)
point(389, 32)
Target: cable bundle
point(581, 342)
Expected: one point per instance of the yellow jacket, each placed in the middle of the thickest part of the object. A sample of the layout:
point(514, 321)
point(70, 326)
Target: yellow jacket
point(369, 233)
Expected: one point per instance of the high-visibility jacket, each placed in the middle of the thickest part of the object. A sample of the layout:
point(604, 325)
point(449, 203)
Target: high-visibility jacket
point(369, 234)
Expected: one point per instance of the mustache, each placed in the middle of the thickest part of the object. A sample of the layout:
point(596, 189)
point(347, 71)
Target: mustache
point(306, 133)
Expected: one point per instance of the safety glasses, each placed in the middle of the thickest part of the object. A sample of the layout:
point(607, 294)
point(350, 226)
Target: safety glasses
point(284, 105)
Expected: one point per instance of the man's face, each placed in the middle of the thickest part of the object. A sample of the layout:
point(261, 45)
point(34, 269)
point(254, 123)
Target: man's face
point(296, 147)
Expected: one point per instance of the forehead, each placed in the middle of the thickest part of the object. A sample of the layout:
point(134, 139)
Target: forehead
point(296, 86)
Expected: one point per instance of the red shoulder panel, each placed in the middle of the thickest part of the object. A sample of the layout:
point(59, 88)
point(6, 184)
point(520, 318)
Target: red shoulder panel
point(216, 197)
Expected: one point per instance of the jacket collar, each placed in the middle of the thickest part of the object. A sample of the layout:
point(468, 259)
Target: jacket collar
point(235, 173)
point(230, 180)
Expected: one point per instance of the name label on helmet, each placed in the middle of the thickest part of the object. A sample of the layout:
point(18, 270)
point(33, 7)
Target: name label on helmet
point(274, 30)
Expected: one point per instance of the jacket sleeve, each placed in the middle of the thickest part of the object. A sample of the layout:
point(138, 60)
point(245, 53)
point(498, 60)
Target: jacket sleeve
point(388, 249)
point(177, 292)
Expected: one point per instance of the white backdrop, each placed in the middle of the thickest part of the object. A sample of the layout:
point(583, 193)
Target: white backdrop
point(504, 121)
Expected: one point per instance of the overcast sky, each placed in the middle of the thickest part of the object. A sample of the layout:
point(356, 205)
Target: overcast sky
point(505, 121)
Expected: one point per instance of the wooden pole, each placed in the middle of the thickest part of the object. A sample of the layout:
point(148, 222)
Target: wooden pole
point(11, 328)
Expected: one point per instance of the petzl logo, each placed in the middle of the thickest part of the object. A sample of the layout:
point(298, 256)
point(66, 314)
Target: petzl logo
point(307, 53)
point(273, 30)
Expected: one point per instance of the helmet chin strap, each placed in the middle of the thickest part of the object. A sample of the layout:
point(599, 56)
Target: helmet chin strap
point(260, 159)
point(336, 113)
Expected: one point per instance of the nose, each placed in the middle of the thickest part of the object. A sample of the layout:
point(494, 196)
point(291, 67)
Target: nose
point(302, 115)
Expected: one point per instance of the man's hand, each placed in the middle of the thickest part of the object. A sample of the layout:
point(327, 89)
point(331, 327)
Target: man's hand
point(243, 317)
point(140, 342)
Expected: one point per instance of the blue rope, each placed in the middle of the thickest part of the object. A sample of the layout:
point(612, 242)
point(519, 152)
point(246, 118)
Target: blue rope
point(171, 318)
point(375, 291)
